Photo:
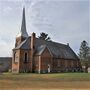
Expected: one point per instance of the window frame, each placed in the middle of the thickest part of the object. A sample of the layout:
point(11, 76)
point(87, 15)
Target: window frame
point(26, 57)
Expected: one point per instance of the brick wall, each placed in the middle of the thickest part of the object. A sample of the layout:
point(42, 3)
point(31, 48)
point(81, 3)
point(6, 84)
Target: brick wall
point(15, 61)
point(64, 65)
point(46, 61)
point(25, 66)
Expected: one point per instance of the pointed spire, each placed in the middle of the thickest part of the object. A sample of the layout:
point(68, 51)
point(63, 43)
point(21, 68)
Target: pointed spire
point(23, 31)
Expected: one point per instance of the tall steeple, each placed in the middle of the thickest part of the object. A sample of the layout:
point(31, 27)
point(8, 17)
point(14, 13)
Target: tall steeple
point(23, 31)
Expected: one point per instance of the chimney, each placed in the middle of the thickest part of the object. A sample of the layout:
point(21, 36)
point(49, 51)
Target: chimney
point(67, 44)
point(33, 37)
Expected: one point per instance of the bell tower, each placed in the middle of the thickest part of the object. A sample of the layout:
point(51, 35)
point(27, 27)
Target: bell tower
point(23, 33)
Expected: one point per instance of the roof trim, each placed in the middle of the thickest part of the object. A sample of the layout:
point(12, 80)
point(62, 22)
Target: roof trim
point(45, 47)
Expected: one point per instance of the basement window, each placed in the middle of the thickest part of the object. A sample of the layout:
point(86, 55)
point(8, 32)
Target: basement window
point(25, 57)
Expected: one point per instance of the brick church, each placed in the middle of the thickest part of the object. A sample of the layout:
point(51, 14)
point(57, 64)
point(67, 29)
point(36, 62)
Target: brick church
point(32, 54)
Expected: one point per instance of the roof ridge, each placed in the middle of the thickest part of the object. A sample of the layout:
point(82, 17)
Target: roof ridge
point(52, 42)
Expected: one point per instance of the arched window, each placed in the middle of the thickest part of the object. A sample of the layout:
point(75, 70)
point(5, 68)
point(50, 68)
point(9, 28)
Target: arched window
point(25, 57)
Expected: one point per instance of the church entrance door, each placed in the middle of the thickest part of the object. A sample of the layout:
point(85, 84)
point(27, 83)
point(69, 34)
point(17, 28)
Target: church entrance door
point(48, 68)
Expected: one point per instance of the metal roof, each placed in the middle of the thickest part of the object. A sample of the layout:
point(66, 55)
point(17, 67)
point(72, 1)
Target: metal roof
point(58, 50)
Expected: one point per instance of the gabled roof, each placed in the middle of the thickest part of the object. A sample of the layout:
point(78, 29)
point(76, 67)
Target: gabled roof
point(58, 50)
point(25, 44)
point(41, 49)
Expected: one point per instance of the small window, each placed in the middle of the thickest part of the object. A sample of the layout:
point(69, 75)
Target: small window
point(26, 58)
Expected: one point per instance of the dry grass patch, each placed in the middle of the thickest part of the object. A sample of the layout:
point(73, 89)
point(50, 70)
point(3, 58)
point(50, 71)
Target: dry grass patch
point(65, 81)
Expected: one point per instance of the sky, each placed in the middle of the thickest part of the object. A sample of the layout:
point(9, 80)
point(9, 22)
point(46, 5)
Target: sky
point(65, 21)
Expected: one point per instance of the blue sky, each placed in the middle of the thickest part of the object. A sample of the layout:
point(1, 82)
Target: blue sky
point(66, 21)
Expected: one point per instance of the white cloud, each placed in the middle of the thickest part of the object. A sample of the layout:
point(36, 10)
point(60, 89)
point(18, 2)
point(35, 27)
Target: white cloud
point(7, 10)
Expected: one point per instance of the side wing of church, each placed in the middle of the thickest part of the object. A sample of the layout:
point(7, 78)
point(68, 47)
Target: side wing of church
point(32, 54)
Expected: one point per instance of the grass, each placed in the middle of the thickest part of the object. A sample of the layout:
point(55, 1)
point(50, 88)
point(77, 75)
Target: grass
point(65, 81)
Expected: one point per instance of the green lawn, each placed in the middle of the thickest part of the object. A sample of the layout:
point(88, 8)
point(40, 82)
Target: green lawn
point(29, 81)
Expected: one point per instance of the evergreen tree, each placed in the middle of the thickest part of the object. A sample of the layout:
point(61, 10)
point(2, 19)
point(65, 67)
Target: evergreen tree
point(44, 36)
point(84, 54)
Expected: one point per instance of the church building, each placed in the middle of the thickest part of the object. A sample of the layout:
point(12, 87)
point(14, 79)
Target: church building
point(32, 54)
